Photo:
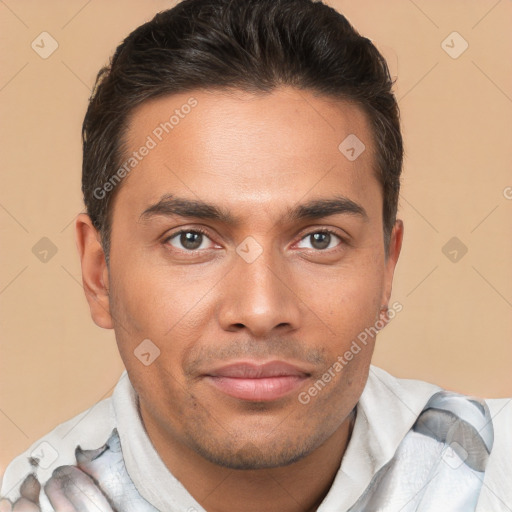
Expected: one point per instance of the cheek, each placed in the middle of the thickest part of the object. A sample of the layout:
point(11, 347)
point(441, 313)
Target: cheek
point(157, 299)
point(347, 300)
point(333, 394)
point(163, 306)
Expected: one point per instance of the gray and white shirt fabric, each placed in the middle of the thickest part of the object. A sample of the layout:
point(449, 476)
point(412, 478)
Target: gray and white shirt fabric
point(414, 447)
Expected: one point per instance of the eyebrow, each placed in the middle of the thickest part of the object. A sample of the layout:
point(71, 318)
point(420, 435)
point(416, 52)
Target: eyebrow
point(169, 205)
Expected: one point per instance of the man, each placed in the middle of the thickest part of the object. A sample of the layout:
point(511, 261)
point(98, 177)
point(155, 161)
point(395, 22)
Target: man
point(241, 174)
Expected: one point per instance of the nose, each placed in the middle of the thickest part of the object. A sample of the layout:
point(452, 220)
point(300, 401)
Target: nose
point(259, 297)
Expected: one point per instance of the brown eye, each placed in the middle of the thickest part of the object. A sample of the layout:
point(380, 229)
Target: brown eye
point(188, 240)
point(321, 240)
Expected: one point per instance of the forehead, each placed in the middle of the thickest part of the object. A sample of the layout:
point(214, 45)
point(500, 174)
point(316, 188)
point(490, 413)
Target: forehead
point(245, 150)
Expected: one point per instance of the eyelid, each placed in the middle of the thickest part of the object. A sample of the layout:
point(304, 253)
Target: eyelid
point(203, 231)
point(307, 232)
point(331, 231)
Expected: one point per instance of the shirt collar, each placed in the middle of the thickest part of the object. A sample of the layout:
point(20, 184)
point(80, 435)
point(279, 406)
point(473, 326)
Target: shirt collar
point(386, 411)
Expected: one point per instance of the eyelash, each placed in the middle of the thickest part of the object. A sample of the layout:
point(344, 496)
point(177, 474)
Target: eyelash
point(205, 233)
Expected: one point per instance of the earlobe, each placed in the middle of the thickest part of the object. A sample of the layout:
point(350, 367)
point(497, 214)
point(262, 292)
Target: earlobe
point(94, 271)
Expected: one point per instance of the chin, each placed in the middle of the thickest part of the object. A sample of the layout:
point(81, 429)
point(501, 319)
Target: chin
point(250, 456)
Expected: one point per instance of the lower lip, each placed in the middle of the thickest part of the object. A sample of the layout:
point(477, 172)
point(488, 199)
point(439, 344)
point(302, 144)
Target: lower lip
point(260, 390)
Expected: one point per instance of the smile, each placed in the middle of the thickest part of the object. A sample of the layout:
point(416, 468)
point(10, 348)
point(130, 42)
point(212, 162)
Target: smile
point(258, 382)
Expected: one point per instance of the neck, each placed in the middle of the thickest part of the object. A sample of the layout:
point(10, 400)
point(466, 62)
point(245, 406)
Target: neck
point(298, 487)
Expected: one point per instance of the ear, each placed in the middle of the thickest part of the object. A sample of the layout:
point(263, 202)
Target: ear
point(395, 245)
point(94, 271)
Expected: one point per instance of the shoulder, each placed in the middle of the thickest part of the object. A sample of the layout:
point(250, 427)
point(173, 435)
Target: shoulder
point(88, 429)
point(497, 489)
point(501, 412)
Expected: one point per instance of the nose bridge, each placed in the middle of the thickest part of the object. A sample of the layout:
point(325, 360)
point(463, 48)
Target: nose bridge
point(257, 295)
point(260, 276)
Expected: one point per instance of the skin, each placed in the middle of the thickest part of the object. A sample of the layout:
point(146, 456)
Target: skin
point(255, 156)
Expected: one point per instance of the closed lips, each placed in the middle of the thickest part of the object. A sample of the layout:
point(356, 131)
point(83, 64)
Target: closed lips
point(258, 371)
point(257, 382)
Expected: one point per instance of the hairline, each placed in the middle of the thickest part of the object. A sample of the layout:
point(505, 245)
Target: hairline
point(231, 90)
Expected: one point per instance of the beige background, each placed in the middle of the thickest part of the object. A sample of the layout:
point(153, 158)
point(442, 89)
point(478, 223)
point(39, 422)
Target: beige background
point(456, 324)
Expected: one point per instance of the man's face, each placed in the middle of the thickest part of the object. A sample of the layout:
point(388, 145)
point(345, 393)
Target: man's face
point(258, 285)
